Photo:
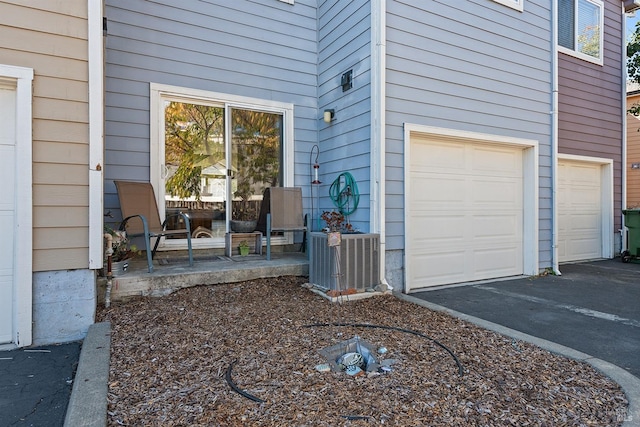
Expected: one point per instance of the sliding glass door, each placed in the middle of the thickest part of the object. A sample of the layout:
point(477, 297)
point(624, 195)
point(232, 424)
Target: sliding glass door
point(216, 161)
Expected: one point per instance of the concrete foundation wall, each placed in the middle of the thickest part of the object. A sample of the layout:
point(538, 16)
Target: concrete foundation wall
point(394, 269)
point(64, 305)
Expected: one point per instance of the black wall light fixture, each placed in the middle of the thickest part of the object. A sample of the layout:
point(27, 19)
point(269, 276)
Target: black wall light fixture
point(347, 80)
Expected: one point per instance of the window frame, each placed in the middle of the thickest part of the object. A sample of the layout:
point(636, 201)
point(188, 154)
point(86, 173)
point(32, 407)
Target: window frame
point(513, 4)
point(576, 53)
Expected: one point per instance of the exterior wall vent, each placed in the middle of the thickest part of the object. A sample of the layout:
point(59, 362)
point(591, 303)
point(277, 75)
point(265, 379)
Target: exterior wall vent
point(354, 264)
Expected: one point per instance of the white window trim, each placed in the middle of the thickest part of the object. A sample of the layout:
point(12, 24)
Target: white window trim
point(580, 55)
point(287, 1)
point(161, 93)
point(513, 4)
point(22, 281)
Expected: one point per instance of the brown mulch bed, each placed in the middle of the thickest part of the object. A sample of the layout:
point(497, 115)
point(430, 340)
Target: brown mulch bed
point(171, 358)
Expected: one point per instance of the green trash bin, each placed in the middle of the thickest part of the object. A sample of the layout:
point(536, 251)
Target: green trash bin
point(632, 222)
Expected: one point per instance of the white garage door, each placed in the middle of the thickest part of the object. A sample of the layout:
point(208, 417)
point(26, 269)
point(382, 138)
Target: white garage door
point(579, 211)
point(465, 212)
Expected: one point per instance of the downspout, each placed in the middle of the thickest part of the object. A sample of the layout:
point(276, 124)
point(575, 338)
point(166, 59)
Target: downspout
point(554, 137)
point(109, 253)
point(623, 166)
point(378, 132)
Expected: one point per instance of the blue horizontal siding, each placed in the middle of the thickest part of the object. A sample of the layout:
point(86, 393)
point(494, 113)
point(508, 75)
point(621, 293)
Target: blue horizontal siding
point(475, 66)
point(258, 49)
point(344, 43)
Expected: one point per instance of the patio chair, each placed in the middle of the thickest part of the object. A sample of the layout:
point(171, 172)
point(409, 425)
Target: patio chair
point(142, 219)
point(281, 210)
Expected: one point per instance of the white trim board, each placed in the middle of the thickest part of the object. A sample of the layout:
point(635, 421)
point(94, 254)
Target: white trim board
point(23, 283)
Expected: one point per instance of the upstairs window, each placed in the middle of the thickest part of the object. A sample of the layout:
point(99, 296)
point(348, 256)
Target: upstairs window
point(515, 4)
point(580, 28)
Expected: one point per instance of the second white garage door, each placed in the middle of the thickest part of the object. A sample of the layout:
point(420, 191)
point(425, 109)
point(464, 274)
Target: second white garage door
point(464, 213)
point(580, 215)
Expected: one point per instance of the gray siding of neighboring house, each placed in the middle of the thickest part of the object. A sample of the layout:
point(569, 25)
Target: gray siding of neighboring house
point(590, 103)
point(262, 49)
point(474, 66)
point(344, 43)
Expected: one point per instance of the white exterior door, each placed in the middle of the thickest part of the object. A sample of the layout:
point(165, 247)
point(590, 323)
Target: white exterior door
point(580, 211)
point(7, 210)
point(464, 211)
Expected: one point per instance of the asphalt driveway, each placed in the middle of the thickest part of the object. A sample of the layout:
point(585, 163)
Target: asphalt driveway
point(593, 307)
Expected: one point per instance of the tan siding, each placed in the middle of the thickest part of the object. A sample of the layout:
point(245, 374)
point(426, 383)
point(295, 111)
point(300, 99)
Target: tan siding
point(57, 152)
point(46, 65)
point(49, 130)
point(44, 21)
point(58, 173)
point(61, 237)
point(51, 87)
point(51, 38)
point(76, 8)
point(43, 43)
point(63, 216)
point(61, 195)
point(57, 259)
point(633, 156)
point(60, 110)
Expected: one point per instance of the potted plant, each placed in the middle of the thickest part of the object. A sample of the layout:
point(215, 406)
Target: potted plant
point(244, 216)
point(243, 247)
point(121, 250)
point(336, 222)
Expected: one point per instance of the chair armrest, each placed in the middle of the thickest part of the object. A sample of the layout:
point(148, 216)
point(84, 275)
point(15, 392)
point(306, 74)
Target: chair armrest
point(123, 224)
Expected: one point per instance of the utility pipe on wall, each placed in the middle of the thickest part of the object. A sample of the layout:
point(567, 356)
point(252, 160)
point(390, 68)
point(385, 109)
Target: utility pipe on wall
point(554, 137)
point(378, 133)
point(623, 155)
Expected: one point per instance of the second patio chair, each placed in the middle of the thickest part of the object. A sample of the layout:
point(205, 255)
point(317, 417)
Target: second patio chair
point(141, 217)
point(281, 210)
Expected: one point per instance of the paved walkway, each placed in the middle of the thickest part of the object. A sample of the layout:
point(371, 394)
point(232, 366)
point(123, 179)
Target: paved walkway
point(35, 384)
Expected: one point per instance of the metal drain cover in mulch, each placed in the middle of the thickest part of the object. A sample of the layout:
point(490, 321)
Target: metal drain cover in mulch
point(348, 355)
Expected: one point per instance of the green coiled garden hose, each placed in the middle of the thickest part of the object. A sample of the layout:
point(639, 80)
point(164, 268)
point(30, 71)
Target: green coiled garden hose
point(344, 193)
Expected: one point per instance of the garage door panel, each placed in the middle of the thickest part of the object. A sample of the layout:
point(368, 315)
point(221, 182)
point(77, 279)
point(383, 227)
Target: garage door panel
point(440, 268)
point(435, 192)
point(496, 193)
point(436, 156)
point(586, 174)
point(585, 247)
point(496, 227)
point(440, 228)
point(585, 222)
point(495, 161)
point(502, 261)
point(583, 198)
